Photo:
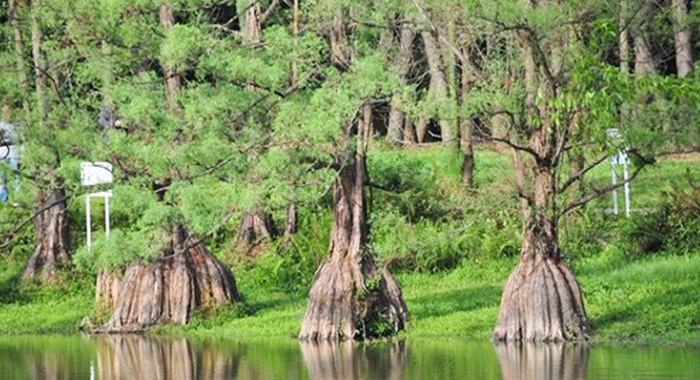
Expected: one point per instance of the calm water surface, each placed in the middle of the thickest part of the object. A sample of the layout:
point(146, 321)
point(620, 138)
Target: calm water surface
point(136, 357)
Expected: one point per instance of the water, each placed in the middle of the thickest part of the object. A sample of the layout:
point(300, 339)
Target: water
point(135, 357)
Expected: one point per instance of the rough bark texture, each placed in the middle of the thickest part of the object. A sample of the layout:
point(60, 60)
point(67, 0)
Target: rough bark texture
point(339, 56)
point(681, 36)
point(344, 360)
point(541, 301)
point(172, 76)
point(39, 65)
point(251, 28)
point(185, 277)
point(543, 361)
point(19, 57)
point(397, 129)
point(256, 227)
point(136, 357)
point(52, 250)
point(350, 296)
point(438, 82)
point(624, 38)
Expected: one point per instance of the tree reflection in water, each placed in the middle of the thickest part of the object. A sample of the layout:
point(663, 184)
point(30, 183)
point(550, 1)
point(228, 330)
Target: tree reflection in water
point(347, 360)
point(553, 361)
point(138, 357)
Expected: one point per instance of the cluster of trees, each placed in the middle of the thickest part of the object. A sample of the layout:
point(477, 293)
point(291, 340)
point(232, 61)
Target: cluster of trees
point(242, 108)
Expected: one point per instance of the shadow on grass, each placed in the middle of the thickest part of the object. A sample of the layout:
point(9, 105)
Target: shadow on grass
point(443, 303)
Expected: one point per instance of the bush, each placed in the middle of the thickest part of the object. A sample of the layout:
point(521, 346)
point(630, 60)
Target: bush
point(674, 227)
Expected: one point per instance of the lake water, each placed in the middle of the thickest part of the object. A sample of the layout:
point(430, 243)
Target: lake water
point(135, 357)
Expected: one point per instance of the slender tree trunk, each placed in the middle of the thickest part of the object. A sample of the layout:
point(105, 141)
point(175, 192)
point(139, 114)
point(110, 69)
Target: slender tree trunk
point(19, 58)
point(351, 297)
point(624, 37)
point(251, 28)
point(466, 127)
point(644, 62)
point(339, 56)
point(438, 84)
point(51, 250)
point(172, 76)
point(183, 278)
point(398, 120)
point(681, 36)
point(39, 65)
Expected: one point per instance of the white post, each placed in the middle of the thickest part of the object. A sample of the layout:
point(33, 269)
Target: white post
point(627, 189)
point(614, 192)
point(87, 220)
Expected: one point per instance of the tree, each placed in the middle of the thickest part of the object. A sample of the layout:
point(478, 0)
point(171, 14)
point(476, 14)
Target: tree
point(558, 100)
point(321, 135)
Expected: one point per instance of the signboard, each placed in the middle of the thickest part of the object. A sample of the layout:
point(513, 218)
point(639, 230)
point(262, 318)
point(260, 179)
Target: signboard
point(619, 159)
point(95, 173)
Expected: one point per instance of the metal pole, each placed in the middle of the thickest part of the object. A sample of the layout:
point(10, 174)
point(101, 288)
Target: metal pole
point(107, 215)
point(627, 190)
point(87, 219)
point(614, 193)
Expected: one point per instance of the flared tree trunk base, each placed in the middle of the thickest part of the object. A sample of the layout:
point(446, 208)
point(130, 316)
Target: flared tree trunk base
point(166, 291)
point(51, 252)
point(542, 302)
point(344, 304)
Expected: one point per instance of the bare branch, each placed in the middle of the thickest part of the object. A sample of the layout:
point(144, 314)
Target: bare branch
point(579, 176)
point(597, 193)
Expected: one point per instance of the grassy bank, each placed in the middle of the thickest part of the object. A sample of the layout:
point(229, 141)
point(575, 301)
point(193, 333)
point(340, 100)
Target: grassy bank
point(451, 251)
point(652, 300)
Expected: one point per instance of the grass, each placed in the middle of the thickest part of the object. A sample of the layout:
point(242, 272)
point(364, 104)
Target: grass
point(638, 299)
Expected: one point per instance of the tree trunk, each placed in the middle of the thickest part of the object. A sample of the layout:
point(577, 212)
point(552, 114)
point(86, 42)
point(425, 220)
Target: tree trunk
point(681, 36)
point(251, 28)
point(466, 125)
point(172, 77)
point(398, 120)
point(350, 297)
point(39, 66)
point(185, 277)
point(19, 59)
point(255, 227)
point(541, 301)
point(624, 37)
point(543, 362)
point(421, 128)
point(52, 251)
point(644, 62)
point(339, 57)
point(438, 84)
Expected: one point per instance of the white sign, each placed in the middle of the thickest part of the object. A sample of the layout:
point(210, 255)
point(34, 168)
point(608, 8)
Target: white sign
point(95, 173)
point(620, 159)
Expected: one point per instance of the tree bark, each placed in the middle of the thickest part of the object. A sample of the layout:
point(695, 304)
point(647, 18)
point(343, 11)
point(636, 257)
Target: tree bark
point(51, 250)
point(183, 278)
point(251, 28)
point(644, 62)
point(172, 76)
point(19, 58)
point(39, 65)
point(398, 120)
point(438, 83)
point(541, 301)
point(624, 37)
point(255, 227)
point(339, 56)
point(681, 37)
point(351, 297)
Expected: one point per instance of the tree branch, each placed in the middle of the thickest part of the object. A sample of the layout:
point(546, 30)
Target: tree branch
point(579, 176)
